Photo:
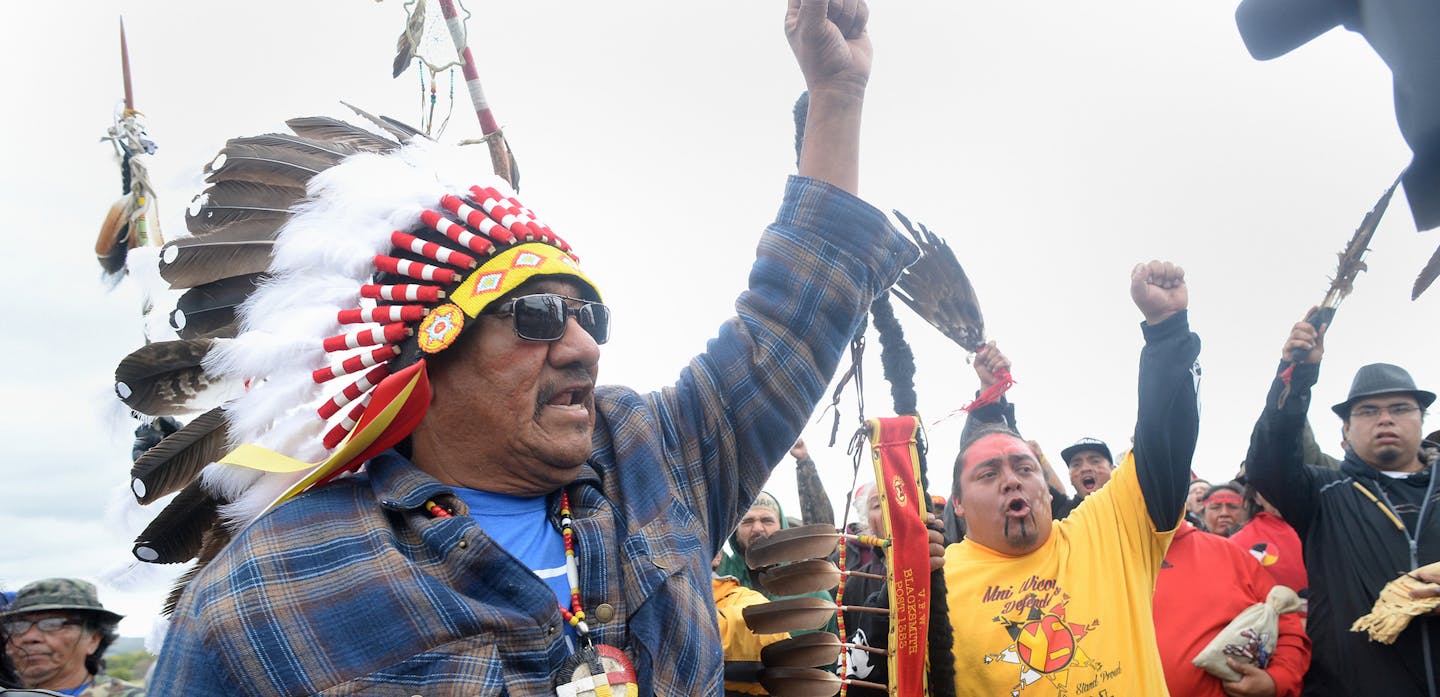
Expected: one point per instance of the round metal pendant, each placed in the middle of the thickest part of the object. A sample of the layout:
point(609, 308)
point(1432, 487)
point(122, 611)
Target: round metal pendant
point(597, 671)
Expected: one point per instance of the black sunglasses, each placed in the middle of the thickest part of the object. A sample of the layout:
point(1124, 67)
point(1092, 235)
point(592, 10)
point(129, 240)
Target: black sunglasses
point(543, 317)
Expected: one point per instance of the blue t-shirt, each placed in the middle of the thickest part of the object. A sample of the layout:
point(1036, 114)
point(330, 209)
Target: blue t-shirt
point(75, 691)
point(521, 525)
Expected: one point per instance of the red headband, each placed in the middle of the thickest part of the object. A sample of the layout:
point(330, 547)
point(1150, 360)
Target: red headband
point(1224, 496)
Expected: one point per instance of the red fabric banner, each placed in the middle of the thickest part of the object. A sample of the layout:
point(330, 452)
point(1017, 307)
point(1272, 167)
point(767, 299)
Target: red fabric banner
point(893, 451)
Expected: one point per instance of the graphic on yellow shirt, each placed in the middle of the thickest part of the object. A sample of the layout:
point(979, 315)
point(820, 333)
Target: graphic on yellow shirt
point(1072, 618)
point(1044, 643)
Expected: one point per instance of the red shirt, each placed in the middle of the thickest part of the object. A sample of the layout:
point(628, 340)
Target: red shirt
point(1275, 545)
point(1204, 583)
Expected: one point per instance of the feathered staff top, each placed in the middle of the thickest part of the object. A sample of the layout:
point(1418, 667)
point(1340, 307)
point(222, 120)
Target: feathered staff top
point(322, 268)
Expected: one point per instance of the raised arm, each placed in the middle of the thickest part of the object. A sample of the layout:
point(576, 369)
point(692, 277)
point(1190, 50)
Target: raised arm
point(815, 504)
point(1276, 461)
point(829, 40)
point(741, 404)
point(1052, 478)
point(1169, 417)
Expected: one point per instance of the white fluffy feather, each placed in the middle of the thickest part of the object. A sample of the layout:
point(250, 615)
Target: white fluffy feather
point(322, 256)
point(257, 497)
point(124, 517)
point(135, 575)
point(256, 411)
point(143, 265)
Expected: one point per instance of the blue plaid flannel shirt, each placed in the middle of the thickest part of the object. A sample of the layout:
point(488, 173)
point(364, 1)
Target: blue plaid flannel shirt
point(353, 589)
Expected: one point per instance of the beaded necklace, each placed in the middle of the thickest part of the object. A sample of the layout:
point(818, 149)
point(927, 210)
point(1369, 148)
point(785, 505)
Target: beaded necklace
point(576, 614)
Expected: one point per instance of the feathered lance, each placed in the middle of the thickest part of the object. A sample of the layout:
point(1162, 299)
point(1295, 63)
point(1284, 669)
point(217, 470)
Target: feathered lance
point(127, 225)
point(1352, 262)
point(130, 222)
point(133, 221)
point(125, 68)
point(936, 288)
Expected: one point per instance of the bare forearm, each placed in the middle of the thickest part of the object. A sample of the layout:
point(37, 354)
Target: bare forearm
point(831, 151)
point(833, 51)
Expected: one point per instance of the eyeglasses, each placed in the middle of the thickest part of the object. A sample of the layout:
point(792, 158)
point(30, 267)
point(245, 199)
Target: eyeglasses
point(1370, 411)
point(544, 317)
point(49, 625)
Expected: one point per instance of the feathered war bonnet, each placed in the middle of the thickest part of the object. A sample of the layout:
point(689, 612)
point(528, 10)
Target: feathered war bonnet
point(323, 269)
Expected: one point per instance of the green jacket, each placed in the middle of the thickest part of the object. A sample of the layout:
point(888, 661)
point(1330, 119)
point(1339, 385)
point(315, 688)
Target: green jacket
point(734, 565)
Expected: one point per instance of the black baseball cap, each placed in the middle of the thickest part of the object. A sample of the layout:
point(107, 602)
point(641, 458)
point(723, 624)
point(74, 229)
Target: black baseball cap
point(1084, 444)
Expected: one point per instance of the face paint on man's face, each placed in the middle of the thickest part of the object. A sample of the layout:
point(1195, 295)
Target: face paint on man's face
point(1004, 499)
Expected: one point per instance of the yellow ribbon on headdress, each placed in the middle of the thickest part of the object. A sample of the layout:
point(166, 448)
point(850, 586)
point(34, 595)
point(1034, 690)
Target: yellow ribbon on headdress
point(257, 458)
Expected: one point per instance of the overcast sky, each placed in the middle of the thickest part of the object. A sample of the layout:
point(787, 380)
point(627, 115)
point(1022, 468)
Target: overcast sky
point(1053, 144)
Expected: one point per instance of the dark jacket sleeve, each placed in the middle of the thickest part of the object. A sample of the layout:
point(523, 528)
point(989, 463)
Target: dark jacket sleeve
point(954, 525)
point(1275, 463)
point(1313, 454)
point(1001, 413)
point(1169, 417)
point(815, 506)
point(1060, 504)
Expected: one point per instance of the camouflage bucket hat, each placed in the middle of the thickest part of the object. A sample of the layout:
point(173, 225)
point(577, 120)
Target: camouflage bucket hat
point(51, 594)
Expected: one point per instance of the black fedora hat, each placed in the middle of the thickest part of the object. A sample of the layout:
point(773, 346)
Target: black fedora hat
point(1381, 378)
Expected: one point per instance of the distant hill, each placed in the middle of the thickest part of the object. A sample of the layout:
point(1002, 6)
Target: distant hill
point(127, 659)
point(126, 644)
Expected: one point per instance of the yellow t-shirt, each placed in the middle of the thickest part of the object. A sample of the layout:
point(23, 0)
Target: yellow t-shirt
point(1071, 618)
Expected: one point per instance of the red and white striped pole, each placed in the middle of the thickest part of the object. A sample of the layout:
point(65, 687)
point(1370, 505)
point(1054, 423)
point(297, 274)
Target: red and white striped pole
point(472, 76)
point(499, 155)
